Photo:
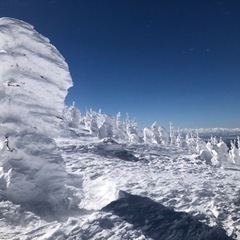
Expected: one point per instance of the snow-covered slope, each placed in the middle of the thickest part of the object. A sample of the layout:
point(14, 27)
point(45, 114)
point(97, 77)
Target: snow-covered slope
point(34, 79)
point(134, 192)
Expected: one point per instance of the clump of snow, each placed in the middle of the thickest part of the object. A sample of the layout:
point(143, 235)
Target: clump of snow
point(34, 80)
point(99, 191)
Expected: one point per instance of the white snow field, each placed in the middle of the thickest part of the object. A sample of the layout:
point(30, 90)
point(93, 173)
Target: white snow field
point(64, 175)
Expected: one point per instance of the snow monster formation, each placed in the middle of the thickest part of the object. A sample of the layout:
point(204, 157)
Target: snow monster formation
point(34, 79)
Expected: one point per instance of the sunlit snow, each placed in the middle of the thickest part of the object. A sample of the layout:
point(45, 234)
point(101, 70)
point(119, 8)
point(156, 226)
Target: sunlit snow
point(34, 81)
point(69, 175)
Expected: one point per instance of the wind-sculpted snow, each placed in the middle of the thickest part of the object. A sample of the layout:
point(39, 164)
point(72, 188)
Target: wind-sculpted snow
point(34, 79)
point(167, 188)
point(33, 75)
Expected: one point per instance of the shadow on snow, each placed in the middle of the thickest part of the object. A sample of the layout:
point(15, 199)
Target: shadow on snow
point(162, 223)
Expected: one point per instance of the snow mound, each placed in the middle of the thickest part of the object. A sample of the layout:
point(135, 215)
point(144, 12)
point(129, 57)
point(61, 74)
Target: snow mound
point(34, 80)
point(98, 192)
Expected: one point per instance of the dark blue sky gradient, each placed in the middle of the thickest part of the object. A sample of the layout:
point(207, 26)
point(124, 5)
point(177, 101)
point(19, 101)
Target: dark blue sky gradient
point(163, 60)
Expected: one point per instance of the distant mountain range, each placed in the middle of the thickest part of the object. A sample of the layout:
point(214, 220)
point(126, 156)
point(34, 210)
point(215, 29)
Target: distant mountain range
point(206, 133)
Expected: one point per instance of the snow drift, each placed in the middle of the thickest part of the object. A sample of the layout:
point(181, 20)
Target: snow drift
point(34, 79)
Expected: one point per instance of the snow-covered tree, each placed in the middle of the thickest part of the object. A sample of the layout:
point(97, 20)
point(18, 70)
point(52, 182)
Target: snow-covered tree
point(234, 153)
point(164, 135)
point(171, 134)
point(34, 81)
point(72, 115)
point(156, 135)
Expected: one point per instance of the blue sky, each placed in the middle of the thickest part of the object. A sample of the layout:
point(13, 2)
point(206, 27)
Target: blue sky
point(158, 60)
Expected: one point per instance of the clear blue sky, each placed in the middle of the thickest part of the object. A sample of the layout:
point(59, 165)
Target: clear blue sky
point(163, 60)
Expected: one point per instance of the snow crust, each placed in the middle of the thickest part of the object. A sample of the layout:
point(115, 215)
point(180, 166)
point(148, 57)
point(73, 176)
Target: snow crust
point(163, 190)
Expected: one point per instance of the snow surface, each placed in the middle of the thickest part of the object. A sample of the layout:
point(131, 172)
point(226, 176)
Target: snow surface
point(65, 175)
point(156, 192)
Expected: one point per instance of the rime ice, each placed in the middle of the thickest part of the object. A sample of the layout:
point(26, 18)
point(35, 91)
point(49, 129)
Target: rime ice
point(34, 80)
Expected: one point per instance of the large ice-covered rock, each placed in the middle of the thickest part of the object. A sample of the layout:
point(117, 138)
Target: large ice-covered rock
point(34, 79)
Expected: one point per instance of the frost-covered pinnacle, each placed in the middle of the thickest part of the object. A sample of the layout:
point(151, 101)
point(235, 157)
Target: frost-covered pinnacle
point(33, 74)
point(34, 81)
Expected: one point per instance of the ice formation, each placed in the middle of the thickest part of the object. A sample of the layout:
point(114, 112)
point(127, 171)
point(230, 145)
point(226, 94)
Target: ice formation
point(34, 80)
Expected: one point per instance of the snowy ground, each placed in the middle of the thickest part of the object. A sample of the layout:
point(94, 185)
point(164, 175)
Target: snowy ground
point(133, 192)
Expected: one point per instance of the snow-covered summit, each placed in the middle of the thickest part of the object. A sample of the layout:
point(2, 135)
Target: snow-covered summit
point(34, 80)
